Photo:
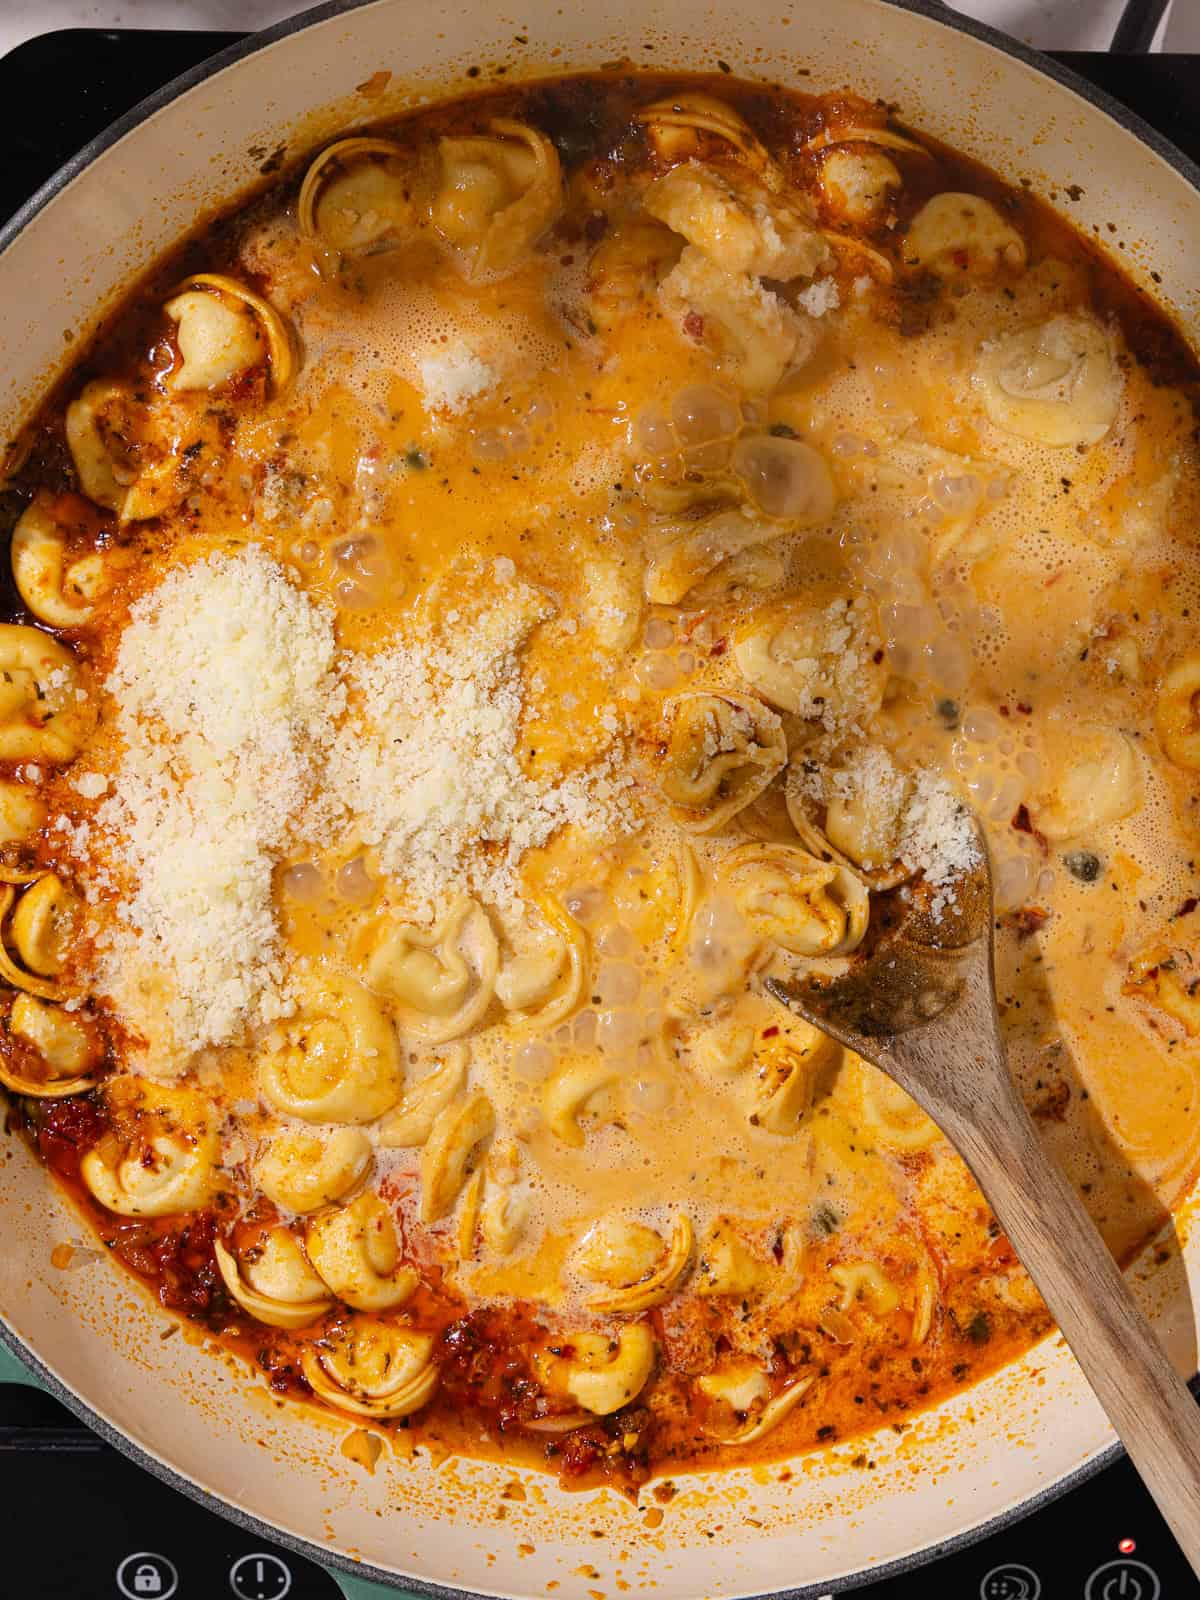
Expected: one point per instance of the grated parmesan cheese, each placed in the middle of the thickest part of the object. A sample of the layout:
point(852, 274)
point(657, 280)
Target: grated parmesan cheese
point(819, 297)
point(429, 763)
point(452, 375)
point(91, 785)
point(225, 701)
point(935, 834)
point(938, 836)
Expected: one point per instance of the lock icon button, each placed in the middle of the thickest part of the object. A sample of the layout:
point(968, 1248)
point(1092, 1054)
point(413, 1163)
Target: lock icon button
point(145, 1575)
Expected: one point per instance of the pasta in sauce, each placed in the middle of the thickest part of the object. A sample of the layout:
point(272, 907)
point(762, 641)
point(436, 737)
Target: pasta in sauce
point(541, 568)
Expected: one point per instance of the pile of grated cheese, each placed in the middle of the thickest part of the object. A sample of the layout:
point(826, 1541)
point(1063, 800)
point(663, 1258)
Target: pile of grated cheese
point(934, 831)
point(429, 762)
point(243, 732)
point(226, 705)
point(452, 375)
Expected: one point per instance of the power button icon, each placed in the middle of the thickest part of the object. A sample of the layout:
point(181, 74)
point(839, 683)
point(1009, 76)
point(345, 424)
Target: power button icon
point(1010, 1582)
point(1123, 1580)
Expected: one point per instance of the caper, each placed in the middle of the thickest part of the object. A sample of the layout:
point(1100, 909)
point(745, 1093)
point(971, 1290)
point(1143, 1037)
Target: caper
point(948, 711)
point(1083, 864)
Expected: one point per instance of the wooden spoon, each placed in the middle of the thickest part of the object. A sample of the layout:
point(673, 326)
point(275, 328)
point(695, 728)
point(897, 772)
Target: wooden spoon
point(919, 1001)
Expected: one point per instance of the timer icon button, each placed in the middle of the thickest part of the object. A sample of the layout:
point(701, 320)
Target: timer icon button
point(260, 1576)
point(1123, 1580)
point(1011, 1582)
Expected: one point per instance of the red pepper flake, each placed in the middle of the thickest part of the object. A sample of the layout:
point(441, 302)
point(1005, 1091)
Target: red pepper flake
point(1026, 920)
point(1003, 710)
point(67, 1129)
point(1023, 823)
point(961, 260)
point(769, 1033)
point(719, 648)
point(877, 657)
point(1026, 711)
point(693, 325)
point(1188, 906)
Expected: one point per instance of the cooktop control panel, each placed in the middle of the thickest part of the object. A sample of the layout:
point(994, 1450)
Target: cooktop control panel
point(81, 1521)
point(128, 1536)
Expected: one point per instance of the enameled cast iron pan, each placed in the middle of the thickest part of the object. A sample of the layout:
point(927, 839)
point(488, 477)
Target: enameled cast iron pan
point(186, 1413)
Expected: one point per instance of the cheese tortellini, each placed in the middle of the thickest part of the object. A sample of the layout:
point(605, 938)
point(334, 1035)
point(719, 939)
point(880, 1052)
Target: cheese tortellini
point(442, 978)
point(785, 1077)
point(824, 665)
point(303, 1171)
point(754, 336)
point(1177, 712)
point(357, 196)
point(568, 1092)
point(693, 123)
point(42, 928)
point(857, 184)
point(102, 427)
point(357, 1254)
point(224, 329)
point(722, 752)
point(792, 900)
point(638, 1267)
point(738, 1387)
point(626, 268)
point(456, 1136)
point(65, 1047)
point(895, 1120)
point(961, 235)
point(497, 195)
point(862, 1280)
point(1096, 779)
point(273, 1280)
point(528, 978)
point(771, 1414)
point(604, 1371)
point(22, 811)
point(862, 817)
point(692, 552)
point(216, 341)
point(340, 1059)
point(726, 1265)
point(373, 1368)
point(543, 983)
point(41, 717)
point(159, 1157)
point(412, 1121)
point(1056, 384)
point(58, 590)
point(735, 220)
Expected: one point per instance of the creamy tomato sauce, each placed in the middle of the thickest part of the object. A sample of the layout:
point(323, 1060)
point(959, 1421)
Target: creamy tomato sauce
point(544, 567)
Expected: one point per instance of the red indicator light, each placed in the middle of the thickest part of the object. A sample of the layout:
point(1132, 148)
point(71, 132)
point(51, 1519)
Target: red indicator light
point(1127, 1547)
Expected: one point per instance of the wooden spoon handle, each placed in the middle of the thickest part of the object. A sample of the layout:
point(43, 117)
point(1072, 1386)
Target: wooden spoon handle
point(1059, 1245)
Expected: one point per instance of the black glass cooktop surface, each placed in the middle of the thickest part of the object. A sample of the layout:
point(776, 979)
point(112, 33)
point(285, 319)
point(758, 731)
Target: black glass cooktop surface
point(81, 1521)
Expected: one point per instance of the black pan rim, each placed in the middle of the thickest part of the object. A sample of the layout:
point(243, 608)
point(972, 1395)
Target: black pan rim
point(322, 1556)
